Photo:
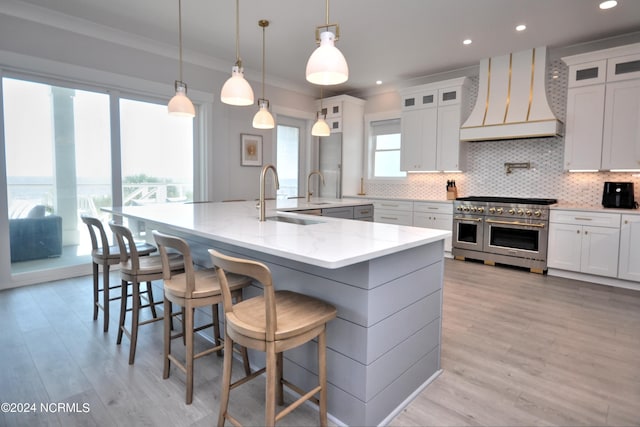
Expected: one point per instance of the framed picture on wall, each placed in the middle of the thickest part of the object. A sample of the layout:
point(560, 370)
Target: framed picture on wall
point(251, 146)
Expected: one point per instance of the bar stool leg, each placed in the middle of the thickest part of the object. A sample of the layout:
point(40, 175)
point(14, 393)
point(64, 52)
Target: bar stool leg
point(216, 328)
point(189, 353)
point(167, 338)
point(322, 377)
point(96, 301)
point(227, 366)
point(279, 389)
point(105, 295)
point(271, 386)
point(152, 304)
point(135, 313)
point(123, 309)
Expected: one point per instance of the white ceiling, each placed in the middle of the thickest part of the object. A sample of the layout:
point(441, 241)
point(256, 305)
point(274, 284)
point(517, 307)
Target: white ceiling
point(389, 40)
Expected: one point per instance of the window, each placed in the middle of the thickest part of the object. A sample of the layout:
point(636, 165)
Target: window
point(385, 144)
point(157, 154)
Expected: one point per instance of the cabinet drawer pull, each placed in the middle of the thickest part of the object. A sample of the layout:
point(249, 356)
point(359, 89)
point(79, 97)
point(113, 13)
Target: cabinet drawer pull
point(577, 218)
point(389, 217)
point(364, 212)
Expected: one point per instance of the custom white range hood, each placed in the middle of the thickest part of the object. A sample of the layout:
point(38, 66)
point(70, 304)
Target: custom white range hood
point(512, 99)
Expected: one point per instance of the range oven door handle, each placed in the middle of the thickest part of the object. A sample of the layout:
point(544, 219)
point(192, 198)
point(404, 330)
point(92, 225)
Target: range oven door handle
point(460, 218)
point(493, 221)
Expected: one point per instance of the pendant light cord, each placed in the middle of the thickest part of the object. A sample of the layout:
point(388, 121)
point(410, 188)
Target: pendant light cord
point(238, 60)
point(180, 35)
point(264, 25)
point(327, 12)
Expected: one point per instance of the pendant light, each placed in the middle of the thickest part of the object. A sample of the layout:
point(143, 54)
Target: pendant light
point(180, 105)
point(236, 90)
point(327, 65)
point(320, 127)
point(263, 118)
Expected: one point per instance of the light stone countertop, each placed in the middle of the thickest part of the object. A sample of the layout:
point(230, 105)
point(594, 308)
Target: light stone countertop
point(592, 208)
point(330, 243)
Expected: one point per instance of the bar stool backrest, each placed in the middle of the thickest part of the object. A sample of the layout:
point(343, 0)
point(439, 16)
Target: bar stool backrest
point(255, 270)
point(97, 229)
point(164, 242)
point(126, 244)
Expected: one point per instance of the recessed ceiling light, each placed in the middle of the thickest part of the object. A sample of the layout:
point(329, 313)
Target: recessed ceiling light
point(378, 82)
point(467, 41)
point(521, 27)
point(608, 4)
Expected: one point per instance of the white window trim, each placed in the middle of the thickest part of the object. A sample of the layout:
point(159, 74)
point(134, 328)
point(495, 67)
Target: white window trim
point(369, 148)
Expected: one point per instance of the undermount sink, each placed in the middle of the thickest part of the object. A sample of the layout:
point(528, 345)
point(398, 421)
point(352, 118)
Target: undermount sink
point(291, 220)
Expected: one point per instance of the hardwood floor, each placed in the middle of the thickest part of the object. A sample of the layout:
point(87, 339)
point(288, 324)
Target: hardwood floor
point(519, 349)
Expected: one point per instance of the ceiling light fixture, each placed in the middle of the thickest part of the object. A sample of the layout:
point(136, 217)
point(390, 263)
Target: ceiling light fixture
point(263, 118)
point(521, 27)
point(236, 90)
point(180, 105)
point(320, 127)
point(467, 42)
point(327, 65)
point(608, 4)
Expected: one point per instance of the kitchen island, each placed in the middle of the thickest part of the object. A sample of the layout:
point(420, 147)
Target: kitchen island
point(385, 280)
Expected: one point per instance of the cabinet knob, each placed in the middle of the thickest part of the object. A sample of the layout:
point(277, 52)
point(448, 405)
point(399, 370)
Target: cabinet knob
point(578, 231)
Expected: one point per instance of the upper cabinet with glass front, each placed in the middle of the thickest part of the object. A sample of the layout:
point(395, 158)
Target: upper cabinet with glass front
point(431, 118)
point(603, 110)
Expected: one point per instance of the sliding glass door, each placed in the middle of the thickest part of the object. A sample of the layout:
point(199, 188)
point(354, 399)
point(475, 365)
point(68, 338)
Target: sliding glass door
point(58, 143)
point(57, 147)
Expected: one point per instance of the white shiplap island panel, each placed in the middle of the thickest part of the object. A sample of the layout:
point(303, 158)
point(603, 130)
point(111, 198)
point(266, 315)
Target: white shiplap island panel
point(385, 280)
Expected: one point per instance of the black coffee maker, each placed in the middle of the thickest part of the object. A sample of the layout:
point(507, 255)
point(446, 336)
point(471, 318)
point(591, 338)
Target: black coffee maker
point(618, 195)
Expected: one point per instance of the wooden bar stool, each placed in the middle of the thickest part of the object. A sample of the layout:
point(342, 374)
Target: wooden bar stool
point(273, 323)
point(135, 270)
point(190, 290)
point(104, 255)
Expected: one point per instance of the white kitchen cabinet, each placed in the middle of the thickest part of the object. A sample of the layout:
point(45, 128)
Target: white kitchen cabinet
point(603, 110)
point(393, 212)
point(419, 139)
point(621, 139)
point(434, 215)
point(585, 242)
point(430, 126)
point(583, 128)
point(629, 263)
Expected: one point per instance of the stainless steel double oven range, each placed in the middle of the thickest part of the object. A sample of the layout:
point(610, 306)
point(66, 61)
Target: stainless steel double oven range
point(505, 230)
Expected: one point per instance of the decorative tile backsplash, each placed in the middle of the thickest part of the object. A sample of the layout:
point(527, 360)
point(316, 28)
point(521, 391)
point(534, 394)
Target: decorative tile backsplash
point(486, 174)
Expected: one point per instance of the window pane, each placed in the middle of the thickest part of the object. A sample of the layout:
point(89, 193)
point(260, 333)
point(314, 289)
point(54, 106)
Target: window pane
point(157, 154)
point(388, 142)
point(387, 164)
point(287, 160)
point(58, 167)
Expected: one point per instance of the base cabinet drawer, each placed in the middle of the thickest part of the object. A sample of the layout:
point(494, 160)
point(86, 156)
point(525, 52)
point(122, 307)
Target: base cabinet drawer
point(343, 212)
point(393, 217)
point(363, 213)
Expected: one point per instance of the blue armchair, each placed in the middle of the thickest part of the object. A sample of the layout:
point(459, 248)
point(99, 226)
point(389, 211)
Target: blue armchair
point(35, 238)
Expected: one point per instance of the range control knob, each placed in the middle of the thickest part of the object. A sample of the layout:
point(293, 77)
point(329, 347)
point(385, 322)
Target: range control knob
point(492, 210)
point(481, 209)
point(512, 211)
point(499, 210)
point(466, 208)
point(520, 212)
point(473, 209)
point(459, 208)
point(537, 213)
point(528, 212)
